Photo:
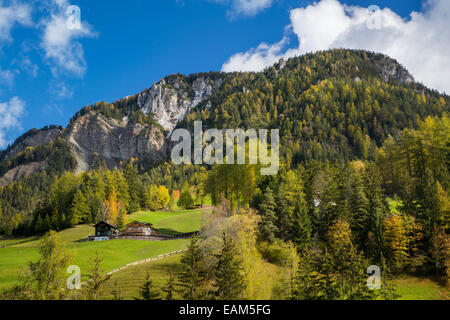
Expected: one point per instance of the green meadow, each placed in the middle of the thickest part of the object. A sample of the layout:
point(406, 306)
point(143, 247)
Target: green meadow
point(173, 222)
point(131, 279)
point(16, 253)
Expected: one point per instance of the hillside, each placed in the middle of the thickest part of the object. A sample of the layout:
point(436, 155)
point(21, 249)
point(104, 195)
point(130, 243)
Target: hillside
point(338, 105)
point(346, 101)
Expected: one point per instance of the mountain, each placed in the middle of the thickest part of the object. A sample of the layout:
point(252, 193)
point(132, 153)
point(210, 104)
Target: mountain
point(338, 104)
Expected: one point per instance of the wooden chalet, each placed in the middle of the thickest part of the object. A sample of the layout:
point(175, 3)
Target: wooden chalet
point(104, 229)
point(139, 229)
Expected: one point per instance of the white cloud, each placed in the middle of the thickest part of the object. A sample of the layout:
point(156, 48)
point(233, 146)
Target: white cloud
point(6, 77)
point(16, 13)
point(421, 43)
point(61, 91)
point(25, 64)
point(60, 42)
point(246, 7)
point(10, 114)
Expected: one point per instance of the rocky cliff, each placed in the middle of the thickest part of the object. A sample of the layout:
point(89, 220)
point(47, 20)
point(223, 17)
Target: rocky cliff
point(171, 99)
point(32, 138)
point(96, 137)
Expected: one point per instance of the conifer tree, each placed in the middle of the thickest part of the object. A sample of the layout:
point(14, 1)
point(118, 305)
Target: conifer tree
point(96, 278)
point(80, 209)
point(148, 291)
point(117, 295)
point(267, 226)
point(134, 186)
point(169, 289)
point(229, 275)
point(48, 274)
point(192, 276)
point(301, 226)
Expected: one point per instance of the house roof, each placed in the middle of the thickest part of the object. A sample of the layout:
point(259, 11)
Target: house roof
point(104, 222)
point(142, 224)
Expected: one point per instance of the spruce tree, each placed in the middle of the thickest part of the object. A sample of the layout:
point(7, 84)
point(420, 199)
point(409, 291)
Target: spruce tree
point(267, 226)
point(117, 295)
point(96, 278)
point(192, 277)
point(229, 275)
point(148, 291)
point(301, 227)
point(80, 209)
point(169, 289)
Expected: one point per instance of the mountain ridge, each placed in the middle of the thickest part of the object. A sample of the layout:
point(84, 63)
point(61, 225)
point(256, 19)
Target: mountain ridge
point(97, 133)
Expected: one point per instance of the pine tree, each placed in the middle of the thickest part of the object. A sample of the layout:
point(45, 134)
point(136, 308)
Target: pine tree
point(301, 227)
point(169, 289)
point(148, 291)
point(48, 274)
point(291, 189)
point(121, 217)
point(229, 272)
point(122, 188)
point(80, 209)
point(117, 295)
point(267, 226)
point(396, 240)
point(192, 277)
point(96, 278)
point(134, 186)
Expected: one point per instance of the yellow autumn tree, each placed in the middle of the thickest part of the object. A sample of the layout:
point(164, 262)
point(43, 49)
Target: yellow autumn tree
point(163, 197)
point(396, 240)
point(112, 208)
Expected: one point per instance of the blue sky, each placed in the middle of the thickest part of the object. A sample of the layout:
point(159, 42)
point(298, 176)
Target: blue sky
point(47, 74)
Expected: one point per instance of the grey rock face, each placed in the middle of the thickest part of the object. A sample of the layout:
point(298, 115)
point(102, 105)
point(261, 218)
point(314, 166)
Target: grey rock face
point(392, 70)
point(37, 138)
point(170, 102)
point(94, 136)
point(21, 171)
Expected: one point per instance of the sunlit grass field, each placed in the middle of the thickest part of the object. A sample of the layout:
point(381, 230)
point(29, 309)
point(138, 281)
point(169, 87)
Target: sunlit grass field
point(173, 222)
point(16, 253)
point(414, 288)
point(131, 279)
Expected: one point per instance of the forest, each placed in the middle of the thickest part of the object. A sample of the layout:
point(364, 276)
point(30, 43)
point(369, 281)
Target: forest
point(364, 180)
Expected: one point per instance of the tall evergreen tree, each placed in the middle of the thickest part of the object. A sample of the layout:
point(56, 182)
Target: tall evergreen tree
point(96, 278)
point(267, 226)
point(80, 209)
point(148, 291)
point(169, 289)
point(192, 275)
point(229, 275)
point(301, 226)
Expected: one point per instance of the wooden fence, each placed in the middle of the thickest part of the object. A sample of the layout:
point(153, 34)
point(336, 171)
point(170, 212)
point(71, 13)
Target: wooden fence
point(162, 256)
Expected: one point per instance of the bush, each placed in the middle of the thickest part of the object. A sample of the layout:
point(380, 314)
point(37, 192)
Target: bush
point(277, 252)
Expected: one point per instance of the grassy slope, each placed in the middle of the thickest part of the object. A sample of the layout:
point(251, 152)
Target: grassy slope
point(131, 279)
point(413, 288)
point(172, 222)
point(16, 253)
